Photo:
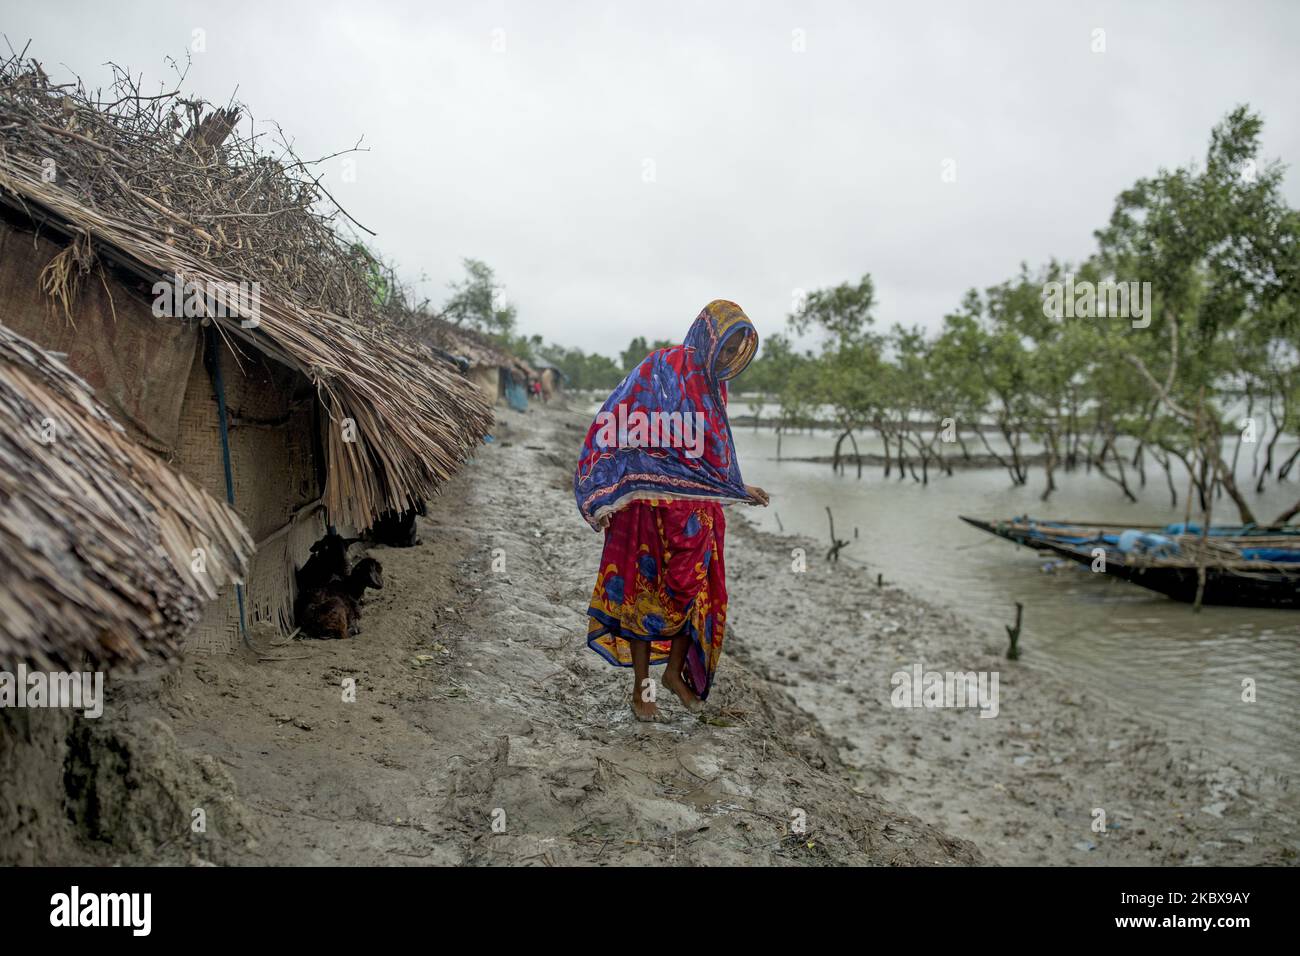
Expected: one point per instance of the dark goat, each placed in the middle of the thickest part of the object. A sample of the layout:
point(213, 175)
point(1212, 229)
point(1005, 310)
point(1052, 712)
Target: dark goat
point(334, 610)
point(368, 573)
point(397, 528)
point(326, 615)
point(329, 560)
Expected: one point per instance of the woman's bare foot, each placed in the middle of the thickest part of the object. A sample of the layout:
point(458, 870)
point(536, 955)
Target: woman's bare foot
point(643, 700)
point(645, 710)
point(643, 685)
point(678, 686)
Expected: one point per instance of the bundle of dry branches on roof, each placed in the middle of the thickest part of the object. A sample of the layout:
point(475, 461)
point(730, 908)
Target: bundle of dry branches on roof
point(199, 177)
point(416, 418)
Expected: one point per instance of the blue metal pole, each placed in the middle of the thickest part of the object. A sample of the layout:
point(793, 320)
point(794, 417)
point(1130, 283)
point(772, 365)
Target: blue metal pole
point(219, 388)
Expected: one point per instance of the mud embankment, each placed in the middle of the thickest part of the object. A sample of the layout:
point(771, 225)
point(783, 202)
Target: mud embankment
point(1058, 777)
point(468, 723)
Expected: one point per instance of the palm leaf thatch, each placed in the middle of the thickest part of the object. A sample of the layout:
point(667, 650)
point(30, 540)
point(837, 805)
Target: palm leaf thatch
point(107, 556)
point(159, 189)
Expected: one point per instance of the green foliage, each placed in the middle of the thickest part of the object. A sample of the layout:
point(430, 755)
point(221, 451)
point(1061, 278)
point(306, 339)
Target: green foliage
point(638, 349)
point(843, 313)
point(378, 276)
point(1221, 250)
point(476, 302)
point(583, 370)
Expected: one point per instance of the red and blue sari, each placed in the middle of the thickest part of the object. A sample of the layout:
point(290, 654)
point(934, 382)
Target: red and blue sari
point(661, 573)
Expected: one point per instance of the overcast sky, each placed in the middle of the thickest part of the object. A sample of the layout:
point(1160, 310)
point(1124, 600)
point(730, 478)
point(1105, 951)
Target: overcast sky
point(620, 164)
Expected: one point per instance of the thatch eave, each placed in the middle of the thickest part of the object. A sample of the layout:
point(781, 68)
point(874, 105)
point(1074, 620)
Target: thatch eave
point(107, 555)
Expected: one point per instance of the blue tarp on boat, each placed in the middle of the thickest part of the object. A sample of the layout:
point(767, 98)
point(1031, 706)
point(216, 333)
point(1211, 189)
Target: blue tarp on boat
point(1144, 542)
point(1271, 554)
point(1141, 541)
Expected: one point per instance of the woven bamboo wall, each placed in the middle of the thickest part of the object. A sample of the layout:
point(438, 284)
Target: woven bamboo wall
point(273, 465)
point(137, 364)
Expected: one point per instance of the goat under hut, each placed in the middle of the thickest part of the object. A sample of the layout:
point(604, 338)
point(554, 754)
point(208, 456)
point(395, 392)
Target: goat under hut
point(368, 573)
point(397, 528)
point(329, 560)
point(325, 615)
point(335, 610)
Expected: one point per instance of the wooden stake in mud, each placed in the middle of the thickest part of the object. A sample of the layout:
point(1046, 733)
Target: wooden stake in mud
point(1013, 652)
point(836, 544)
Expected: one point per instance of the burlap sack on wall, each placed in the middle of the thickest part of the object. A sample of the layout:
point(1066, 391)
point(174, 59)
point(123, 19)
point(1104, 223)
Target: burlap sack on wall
point(138, 365)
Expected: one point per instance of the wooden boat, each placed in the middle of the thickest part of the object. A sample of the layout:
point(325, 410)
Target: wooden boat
point(1240, 566)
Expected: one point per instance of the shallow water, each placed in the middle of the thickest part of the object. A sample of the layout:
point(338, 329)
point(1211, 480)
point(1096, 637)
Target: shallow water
point(1138, 649)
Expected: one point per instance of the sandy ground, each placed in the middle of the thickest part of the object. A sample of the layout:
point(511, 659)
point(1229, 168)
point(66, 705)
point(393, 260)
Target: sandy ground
point(483, 730)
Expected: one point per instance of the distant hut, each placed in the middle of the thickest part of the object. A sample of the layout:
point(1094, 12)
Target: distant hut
point(552, 378)
point(491, 368)
point(279, 386)
point(107, 556)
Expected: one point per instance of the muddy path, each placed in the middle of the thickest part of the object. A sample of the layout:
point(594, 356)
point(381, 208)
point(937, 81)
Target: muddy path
point(468, 723)
point(483, 730)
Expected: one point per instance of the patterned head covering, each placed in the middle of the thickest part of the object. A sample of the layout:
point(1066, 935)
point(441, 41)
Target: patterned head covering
point(691, 456)
point(719, 321)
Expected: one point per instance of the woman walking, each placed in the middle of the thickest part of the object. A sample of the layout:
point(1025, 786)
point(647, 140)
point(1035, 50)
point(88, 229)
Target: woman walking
point(657, 465)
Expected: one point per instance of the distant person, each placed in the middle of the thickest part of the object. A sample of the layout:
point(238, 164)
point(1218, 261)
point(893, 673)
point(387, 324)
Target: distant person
point(655, 483)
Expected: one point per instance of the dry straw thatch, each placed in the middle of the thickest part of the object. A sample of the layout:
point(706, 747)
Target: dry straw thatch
point(163, 185)
point(97, 536)
point(470, 344)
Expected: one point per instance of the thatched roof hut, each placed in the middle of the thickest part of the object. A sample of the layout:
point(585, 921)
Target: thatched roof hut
point(300, 403)
point(488, 365)
point(465, 342)
point(107, 556)
point(500, 376)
